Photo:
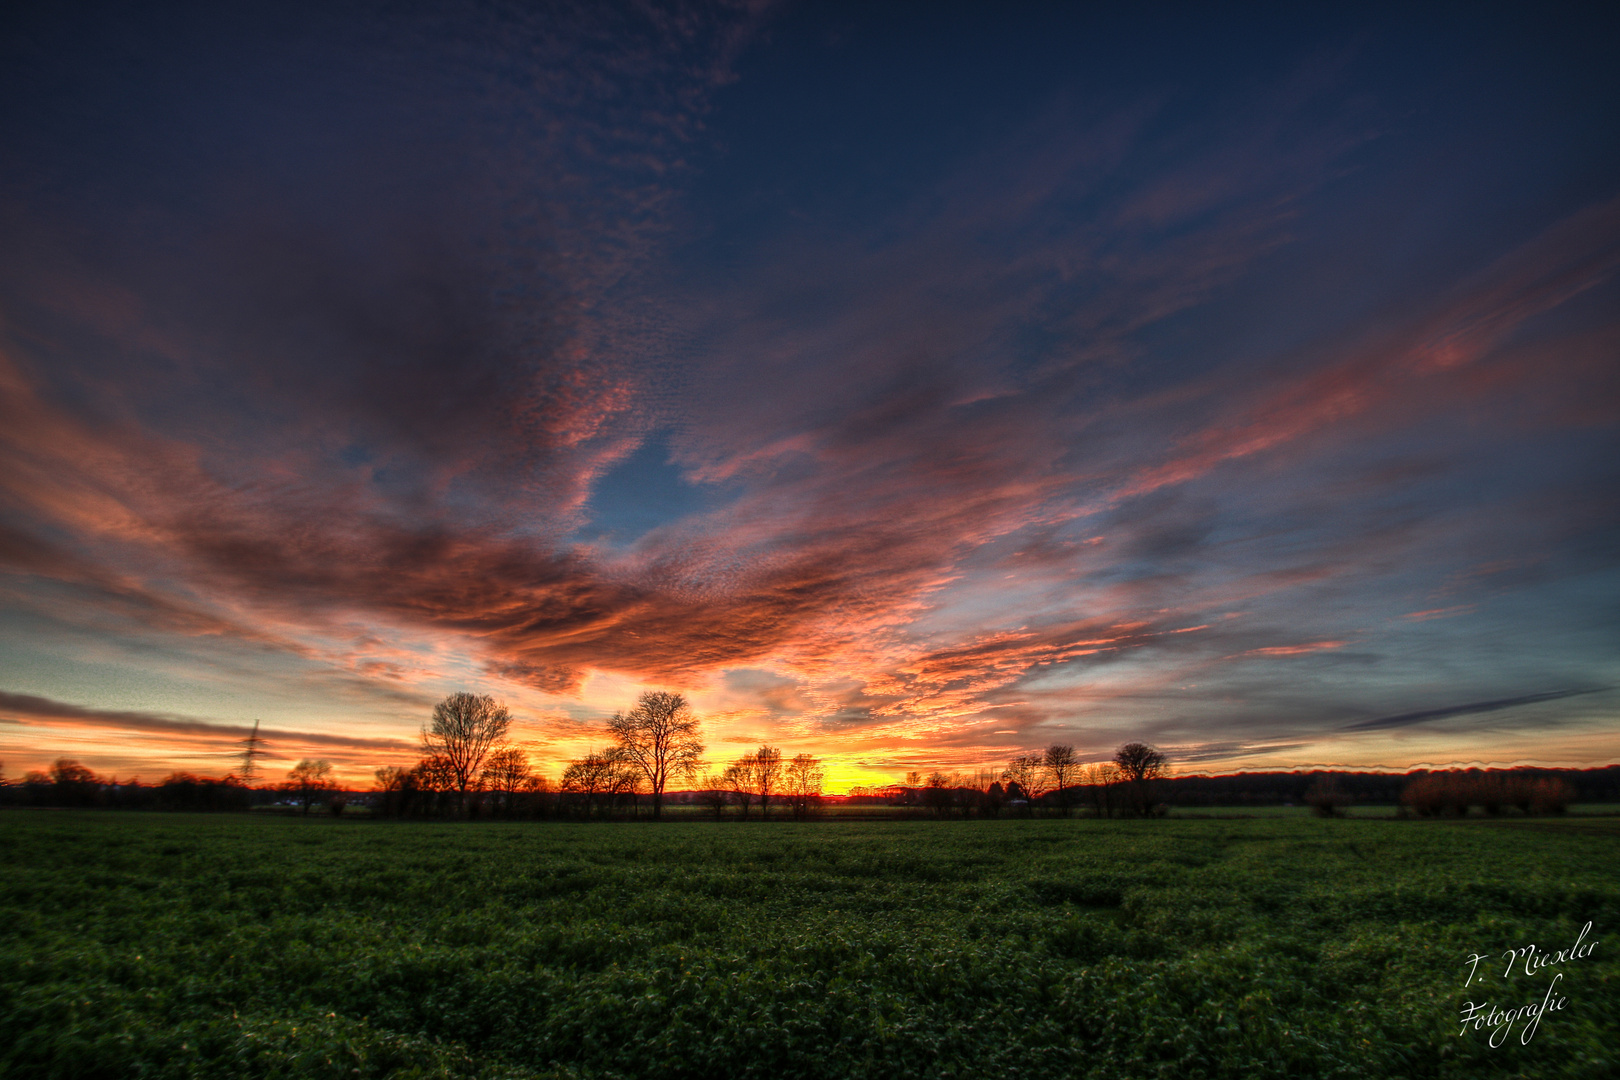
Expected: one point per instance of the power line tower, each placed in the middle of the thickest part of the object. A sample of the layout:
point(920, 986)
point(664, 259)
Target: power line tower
point(249, 771)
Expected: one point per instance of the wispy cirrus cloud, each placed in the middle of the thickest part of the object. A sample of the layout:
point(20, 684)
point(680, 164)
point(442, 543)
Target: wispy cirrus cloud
point(1566, 260)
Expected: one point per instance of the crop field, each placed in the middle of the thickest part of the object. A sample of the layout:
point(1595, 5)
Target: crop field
point(240, 946)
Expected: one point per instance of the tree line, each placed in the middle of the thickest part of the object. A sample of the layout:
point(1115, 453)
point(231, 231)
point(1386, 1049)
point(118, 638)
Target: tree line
point(67, 783)
point(469, 768)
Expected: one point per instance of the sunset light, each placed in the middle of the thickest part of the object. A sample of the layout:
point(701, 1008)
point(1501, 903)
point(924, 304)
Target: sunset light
point(809, 540)
point(1252, 394)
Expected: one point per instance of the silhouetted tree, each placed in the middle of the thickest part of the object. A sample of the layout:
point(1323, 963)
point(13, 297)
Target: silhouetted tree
point(1139, 767)
point(426, 789)
point(936, 793)
point(994, 797)
point(307, 780)
point(37, 787)
point(536, 798)
point(74, 784)
point(506, 773)
point(1062, 770)
point(1454, 791)
point(1325, 797)
point(1101, 781)
point(627, 786)
point(802, 780)
point(465, 728)
point(131, 794)
point(739, 782)
point(591, 777)
point(714, 795)
point(1028, 773)
point(398, 789)
point(434, 778)
point(183, 791)
point(659, 738)
point(765, 774)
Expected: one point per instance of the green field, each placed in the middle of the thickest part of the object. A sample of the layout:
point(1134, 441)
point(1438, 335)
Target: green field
point(236, 946)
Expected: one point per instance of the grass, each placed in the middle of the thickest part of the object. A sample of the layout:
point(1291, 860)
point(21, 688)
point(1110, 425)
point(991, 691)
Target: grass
point(225, 946)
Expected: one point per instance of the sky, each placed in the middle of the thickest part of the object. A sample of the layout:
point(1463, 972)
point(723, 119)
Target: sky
point(913, 385)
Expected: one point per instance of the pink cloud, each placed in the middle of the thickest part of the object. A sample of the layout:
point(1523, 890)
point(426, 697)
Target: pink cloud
point(1424, 362)
point(1294, 650)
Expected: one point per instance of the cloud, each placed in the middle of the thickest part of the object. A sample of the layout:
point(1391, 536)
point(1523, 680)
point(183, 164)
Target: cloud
point(1226, 752)
point(393, 377)
point(988, 455)
point(957, 679)
point(1439, 613)
point(28, 708)
point(1293, 650)
point(1423, 361)
point(1422, 715)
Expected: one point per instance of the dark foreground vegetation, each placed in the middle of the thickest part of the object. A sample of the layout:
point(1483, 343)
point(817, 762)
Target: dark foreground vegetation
point(242, 946)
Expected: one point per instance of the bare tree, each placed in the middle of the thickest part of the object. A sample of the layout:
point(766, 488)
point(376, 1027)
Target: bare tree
point(739, 781)
point(1101, 780)
point(592, 776)
point(766, 774)
point(436, 778)
point(390, 777)
point(506, 772)
point(396, 785)
point(465, 728)
point(803, 778)
point(1062, 770)
point(715, 794)
point(424, 788)
point(627, 785)
point(1027, 771)
point(659, 737)
point(994, 797)
point(307, 780)
point(1139, 766)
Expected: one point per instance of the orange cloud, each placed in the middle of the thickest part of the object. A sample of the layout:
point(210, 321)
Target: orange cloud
point(1439, 613)
point(1294, 650)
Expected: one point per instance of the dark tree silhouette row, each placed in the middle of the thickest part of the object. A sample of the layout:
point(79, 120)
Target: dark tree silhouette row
point(469, 769)
point(1052, 781)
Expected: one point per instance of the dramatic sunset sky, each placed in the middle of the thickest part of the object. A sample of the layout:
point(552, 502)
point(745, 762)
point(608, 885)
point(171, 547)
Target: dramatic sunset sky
point(909, 384)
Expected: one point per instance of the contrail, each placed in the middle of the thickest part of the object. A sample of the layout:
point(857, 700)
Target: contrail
point(1402, 719)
